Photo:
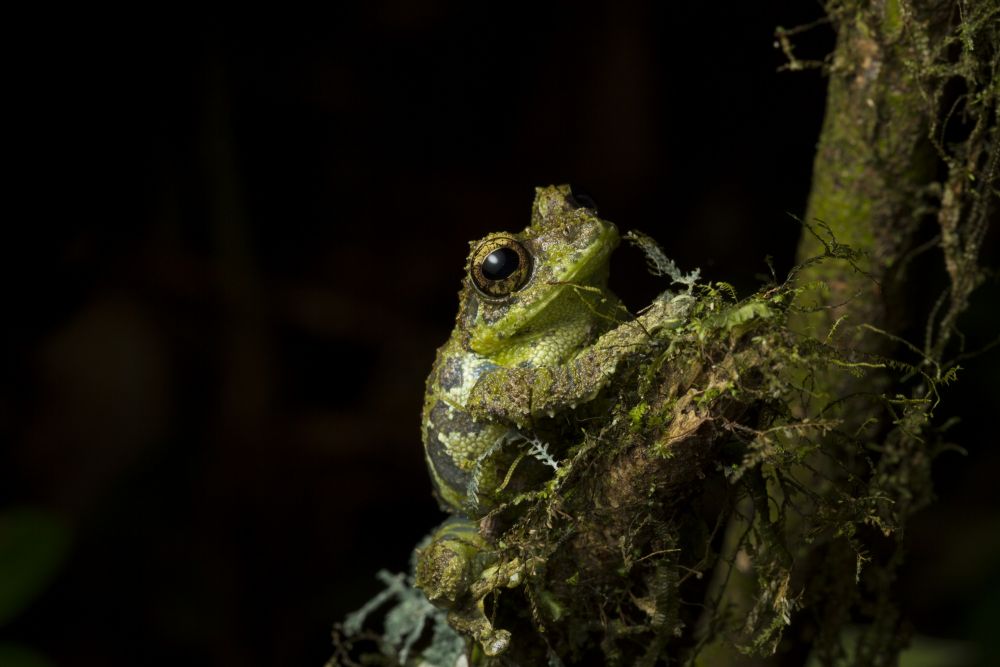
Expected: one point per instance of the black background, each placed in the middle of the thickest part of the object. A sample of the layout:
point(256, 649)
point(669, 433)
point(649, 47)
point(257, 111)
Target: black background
point(243, 239)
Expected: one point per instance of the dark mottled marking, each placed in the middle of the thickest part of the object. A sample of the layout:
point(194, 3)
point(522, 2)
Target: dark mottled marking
point(450, 375)
point(440, 421)
point(443, 465)
point(451, 421)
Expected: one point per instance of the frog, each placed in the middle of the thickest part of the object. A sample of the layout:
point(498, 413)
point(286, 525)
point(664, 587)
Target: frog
point(537, 338)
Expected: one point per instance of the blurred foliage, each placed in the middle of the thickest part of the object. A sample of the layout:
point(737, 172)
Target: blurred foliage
point(34, 545)
point(15, 655)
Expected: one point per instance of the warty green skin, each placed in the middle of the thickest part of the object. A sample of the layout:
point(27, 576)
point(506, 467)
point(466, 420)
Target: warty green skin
point(560, 311)
point(511, 364)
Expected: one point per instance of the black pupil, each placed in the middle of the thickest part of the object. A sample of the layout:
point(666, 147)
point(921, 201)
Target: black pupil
point(500, 263)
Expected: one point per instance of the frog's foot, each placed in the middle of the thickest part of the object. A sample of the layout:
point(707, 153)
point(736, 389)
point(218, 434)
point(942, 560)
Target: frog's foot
point(445, 573)
point(456, 572)
point(495, 642)
point(447, 566)
point(508, 574)
point(472, 621)
point(450, 571)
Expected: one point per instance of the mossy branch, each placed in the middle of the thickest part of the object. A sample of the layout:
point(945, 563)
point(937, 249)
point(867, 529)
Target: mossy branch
point(764, 455)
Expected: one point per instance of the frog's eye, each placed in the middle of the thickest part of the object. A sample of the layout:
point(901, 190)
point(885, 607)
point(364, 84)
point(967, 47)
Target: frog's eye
point(500, 266)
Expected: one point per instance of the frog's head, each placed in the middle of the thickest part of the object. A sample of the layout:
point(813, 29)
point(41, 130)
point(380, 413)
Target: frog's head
point(523, 286)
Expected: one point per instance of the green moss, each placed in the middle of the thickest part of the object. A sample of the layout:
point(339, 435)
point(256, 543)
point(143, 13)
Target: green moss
point(636, 414)
point(893, 19)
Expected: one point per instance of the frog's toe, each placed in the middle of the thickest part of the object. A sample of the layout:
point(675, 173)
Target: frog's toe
point(496, 642)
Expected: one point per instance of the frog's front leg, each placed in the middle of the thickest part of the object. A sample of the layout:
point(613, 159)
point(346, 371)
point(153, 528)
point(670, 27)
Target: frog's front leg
point(456, 571)
point(519, 394)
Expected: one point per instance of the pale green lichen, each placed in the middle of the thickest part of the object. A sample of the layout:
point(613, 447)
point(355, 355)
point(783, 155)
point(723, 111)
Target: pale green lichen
point(409, 617)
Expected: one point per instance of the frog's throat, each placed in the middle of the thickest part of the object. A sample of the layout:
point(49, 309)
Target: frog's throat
point(487, 340)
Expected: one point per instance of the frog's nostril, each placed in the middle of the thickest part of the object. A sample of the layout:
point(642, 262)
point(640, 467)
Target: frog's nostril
point(581, 200)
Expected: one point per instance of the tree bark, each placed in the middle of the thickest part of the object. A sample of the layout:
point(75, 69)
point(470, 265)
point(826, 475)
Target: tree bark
point(906, 164)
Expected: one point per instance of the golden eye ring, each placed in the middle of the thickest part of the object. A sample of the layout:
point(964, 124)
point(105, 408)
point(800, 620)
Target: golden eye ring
point(500, 266)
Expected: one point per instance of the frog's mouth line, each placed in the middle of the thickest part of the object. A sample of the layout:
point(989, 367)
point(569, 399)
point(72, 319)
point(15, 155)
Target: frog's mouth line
point(595, 253)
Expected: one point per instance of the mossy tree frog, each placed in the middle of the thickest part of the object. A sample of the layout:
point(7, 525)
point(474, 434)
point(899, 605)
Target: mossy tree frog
point(538, 335)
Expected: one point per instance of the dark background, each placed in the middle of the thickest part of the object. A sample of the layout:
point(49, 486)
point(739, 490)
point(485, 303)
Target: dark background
point(243, 242)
